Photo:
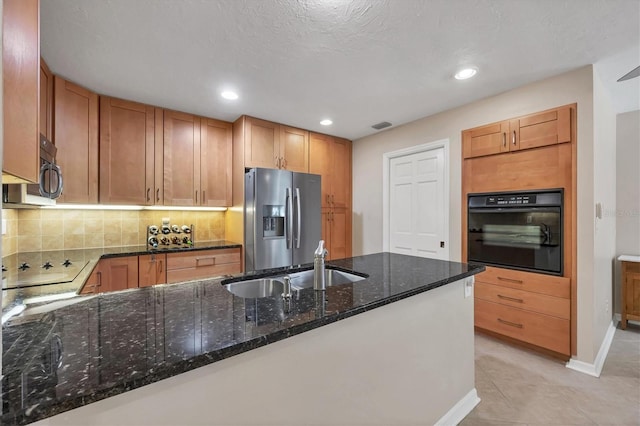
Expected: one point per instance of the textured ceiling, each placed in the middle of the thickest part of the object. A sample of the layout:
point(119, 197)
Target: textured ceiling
point(356, 62)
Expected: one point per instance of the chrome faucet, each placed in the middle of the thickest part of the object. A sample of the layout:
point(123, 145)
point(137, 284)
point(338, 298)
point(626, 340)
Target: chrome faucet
point(318, 267)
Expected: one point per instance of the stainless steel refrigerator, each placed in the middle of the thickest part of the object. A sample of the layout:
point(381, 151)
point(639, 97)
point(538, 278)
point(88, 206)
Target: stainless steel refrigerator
point(282, 218)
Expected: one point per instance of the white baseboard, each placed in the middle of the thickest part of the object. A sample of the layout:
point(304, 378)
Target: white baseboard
point(460, 410)
point(596, 368)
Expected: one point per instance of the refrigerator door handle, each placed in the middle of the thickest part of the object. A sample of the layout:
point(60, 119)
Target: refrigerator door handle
point(299, 231)
point(289, 218)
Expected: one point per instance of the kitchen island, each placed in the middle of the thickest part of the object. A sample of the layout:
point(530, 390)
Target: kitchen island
point(193, 352)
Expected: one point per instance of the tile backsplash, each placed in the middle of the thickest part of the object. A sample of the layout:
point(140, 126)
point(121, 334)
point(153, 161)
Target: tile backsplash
point(48, 229)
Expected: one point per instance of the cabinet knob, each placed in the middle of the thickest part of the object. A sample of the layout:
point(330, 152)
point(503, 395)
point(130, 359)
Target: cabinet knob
point(148, 191)
point(514, 137)
point(158, 195)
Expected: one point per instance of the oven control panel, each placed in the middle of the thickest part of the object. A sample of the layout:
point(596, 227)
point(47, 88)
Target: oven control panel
point(510, 200)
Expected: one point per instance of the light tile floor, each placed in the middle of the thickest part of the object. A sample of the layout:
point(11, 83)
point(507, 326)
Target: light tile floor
point(520, 387)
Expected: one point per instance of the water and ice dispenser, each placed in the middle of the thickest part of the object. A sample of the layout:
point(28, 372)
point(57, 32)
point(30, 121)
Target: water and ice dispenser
point(273, 217)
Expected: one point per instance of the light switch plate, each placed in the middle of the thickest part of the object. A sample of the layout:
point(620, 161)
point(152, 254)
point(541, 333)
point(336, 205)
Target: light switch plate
point(4, 226)
point(468, 287)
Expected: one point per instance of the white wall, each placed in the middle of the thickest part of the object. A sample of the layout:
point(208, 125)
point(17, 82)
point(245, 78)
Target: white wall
point(575, 86)
point(627, 191)
point(604, 192)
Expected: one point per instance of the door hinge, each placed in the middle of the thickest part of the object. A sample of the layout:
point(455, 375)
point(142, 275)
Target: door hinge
point(441, 244)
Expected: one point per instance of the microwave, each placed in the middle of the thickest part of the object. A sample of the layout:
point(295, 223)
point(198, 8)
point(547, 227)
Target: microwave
point(48, 188)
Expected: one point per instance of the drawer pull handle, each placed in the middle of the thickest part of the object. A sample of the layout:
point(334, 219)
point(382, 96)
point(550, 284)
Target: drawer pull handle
point(510, 280)
point(512, 324)
point(205, 261)
point(511, 299)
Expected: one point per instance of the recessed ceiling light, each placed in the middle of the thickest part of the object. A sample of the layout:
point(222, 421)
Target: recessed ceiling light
point(228, 94)
point(326, 122)
point(466, 73)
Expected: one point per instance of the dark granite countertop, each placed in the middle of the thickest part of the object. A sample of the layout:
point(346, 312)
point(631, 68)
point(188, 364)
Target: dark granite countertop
point(90, 348)
point(12, 297)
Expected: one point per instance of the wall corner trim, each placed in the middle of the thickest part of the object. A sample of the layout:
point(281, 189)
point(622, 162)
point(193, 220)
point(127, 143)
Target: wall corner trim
point(596, 368)
point(460, 410)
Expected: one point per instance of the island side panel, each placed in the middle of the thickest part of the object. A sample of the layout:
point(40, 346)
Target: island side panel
point(405, 363)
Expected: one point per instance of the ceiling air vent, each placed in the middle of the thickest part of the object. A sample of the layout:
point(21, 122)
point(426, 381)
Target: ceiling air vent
point(381, 125)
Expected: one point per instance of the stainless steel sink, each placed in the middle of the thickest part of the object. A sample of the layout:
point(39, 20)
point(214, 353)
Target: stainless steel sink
point(274, 286)
point(304, 279)
point(265, 287)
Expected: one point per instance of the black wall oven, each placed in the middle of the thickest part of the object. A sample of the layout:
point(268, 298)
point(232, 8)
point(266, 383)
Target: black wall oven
point(517, 230)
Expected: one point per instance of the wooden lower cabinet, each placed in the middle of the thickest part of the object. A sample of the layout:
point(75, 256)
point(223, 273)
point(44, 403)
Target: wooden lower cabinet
point(336, 233)
point(630, 292)
point(202, 264)
point(533, 308)
point(121, 273)
point(112, 274)
point(152, 269)
point(540, 330)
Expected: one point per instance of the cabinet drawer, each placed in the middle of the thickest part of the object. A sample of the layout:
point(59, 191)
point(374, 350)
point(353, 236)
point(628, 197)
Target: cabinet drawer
point(202, 264)
point(537, 329)
point(536, 302)
point(528, 281)
point(202, 258)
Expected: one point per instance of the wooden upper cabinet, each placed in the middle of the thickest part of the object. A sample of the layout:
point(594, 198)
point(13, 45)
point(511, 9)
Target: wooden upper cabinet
point(21, 90)
point(485, 140)
point(181, 159)
point(532, 131)
point(45, 118)
point(294, 149)
point(76, 138)
point(320, 148)
point(128, 146)
point(261, 143)
point(541, 129)
point(331, 158)
point(341, 176)
point(215, 162)
point(275, 146)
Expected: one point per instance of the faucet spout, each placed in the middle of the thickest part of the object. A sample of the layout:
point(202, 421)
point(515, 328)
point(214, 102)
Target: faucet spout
point(319, 256)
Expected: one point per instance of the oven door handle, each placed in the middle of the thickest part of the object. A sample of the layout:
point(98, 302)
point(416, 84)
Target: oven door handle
point(549, 209)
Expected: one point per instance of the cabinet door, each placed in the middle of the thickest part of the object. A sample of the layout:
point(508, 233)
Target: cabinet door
point(486, 140)
point(542, 129)
point(326, 231)
point(152, 269)
point(294, 149)
point(341, 176)
point(320, 163)
point(76, 137)
point(215, 163)
point(20, 77)
point(181, 159)
point(93, 284)
point(338, 234)
point(45, 118)
point(261, 144)
point(127, 144)
point(120, 273)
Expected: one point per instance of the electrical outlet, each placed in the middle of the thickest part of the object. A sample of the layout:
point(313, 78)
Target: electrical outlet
point(606, 306)
point(166, 221)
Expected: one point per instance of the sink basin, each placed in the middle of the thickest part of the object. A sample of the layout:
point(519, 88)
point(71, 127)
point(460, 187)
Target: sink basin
point(265, 287)
point(304, 279)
